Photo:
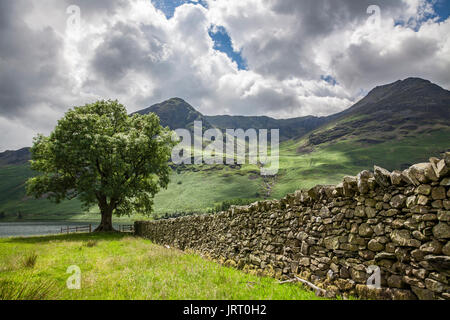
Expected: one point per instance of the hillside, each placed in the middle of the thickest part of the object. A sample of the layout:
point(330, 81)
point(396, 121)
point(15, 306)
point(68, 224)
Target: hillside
point(289, 128)
point(15, 157)
point(408, 108)
point(177, 113)
point(394, 126)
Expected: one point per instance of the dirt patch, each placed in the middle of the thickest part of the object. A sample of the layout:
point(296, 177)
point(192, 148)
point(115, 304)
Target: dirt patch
point(370, 141)
point(305, 149)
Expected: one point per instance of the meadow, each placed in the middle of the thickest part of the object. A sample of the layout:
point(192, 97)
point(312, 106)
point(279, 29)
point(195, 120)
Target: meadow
point(120, 266)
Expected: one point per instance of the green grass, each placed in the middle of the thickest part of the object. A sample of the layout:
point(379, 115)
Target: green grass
point(116, 266)
point(13, 197)
point(329, 163)
point(202, 188)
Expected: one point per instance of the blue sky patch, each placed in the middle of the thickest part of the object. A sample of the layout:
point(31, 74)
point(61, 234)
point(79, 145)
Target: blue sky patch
point(220, 36)
point(168, 6)
point(441, 13)
point(329, 79)
point(442, 8)
point(222, 43)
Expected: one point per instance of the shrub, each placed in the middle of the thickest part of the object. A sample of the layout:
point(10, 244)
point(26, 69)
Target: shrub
point(29, 260)
point(90, 243)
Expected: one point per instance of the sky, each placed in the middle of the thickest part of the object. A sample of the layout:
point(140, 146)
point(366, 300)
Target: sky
point(279, 58)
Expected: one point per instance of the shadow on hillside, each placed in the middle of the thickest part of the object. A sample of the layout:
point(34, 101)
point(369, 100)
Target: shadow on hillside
point(69, 237)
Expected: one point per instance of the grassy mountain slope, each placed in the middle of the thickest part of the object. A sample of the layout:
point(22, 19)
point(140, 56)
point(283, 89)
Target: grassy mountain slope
point(289, 128)
point(394, 126)
point(16, 157)
point(409, 108)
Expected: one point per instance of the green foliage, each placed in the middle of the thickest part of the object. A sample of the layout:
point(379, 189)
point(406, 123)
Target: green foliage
point(29, 261)
point(100, 155)
point(90, 243)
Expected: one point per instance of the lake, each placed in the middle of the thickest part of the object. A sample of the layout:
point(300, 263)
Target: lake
point(34, 228)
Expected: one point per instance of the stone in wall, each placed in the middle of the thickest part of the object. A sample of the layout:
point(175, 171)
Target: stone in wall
point(335, 236)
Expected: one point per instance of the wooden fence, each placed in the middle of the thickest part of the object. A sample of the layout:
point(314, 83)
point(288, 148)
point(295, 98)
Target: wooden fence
point(77, 229)
point(122, 228)
point(126, 228)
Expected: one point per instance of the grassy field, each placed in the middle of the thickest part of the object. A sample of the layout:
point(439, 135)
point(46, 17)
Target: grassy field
point(329, 163)
point(117, 266)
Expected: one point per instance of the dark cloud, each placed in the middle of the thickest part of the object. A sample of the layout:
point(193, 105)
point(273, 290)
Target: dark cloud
point(128, 50)
point(29, 62)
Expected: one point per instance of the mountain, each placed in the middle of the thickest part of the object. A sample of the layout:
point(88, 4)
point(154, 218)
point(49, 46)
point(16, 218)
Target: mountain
point(177, 113)
point(407, 108)
point(289, 128)
point(17, 157)
point(394, 126)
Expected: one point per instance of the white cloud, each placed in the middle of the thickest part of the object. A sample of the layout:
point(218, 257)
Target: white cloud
point(130, 51)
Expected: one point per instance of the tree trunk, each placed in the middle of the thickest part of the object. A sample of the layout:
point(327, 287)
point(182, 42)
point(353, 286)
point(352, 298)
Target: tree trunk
point(106, 223)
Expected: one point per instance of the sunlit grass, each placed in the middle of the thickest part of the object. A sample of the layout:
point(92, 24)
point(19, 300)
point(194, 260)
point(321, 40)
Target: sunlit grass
point(124, 267)
point(203, 187)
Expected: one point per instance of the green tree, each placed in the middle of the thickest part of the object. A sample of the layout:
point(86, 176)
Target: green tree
point(102, 156)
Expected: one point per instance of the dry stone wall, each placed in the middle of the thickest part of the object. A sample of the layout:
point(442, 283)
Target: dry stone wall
point(336, 237)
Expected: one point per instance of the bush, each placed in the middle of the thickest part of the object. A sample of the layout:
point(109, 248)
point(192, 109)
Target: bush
point(29, 260)
point(90, 243)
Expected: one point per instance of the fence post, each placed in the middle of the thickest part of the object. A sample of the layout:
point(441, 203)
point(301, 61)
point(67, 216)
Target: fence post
point(90, 228)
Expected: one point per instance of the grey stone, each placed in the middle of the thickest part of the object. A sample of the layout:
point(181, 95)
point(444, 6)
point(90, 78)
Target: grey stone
point(441, 230)
point(446, 249)
point(396, 178)
point(362, 181)
point(365, 230)
point(398, 201)
point(432, 247)
point(440, 168)
point(402, 238)
point(434, 285)
point(423, 294)
point(441, 263)
point(382, 176)
point(331, 243)
point(423, 172)
point(422, 200)
point(424, 189)
point(438, 193)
